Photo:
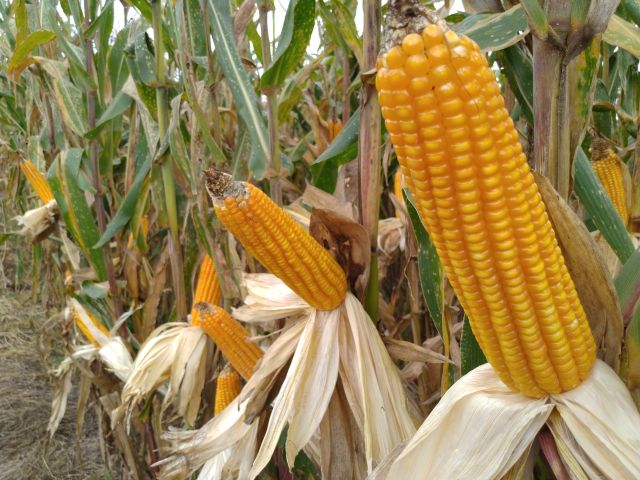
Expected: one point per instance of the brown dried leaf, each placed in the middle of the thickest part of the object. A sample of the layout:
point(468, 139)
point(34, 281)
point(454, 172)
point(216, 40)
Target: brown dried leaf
point(590, 275)
point(338, 441)
point(317, 198)
point(348, 242)
point(410, 352)
point(150, 309)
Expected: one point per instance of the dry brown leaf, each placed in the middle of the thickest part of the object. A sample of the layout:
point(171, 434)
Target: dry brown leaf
point(150, 309)
point(348, 242)
point(589, 273)
point(337, 440)
point(317, 198)
point(410, 352)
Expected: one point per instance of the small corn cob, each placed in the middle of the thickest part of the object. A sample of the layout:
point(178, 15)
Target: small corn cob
point(277, 241)
point(227, 388)
point(475, 193)
point(608, 168)
point(207, 288)
point(83, 328)
point(37, 181)
point(231, 338)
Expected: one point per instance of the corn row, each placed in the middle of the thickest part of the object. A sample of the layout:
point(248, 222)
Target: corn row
point(278, 242)
point(207, 288)
point(609, 170)
point(37, 181)
point(228, 387)
point(231, 338)
point(461, 159)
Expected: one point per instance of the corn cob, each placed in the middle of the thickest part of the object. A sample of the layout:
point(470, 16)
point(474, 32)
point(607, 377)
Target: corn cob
point(231, 338)
point(475, 193)
point(277, 241)
point(83, 328)
point(227, 388)
point(607, 166)
point(207, 288)
point(37, 181)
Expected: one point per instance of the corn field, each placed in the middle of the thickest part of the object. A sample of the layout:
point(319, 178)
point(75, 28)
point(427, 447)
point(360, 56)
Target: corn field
point(327, 239)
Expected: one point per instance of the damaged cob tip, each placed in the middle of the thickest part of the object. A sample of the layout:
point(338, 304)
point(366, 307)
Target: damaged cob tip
point(405, 17)
point(221, 185)
point(277, 241)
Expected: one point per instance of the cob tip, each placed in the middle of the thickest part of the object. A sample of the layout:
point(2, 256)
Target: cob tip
point(405, 17)
point(221, 185)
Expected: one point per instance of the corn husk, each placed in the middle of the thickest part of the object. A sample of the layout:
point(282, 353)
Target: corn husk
point(38, 220)
point(342, 343)
point(268, 299)
point(176, 352)
point(480, 429)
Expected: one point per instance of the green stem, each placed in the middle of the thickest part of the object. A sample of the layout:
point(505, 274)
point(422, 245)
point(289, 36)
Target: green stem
point(369, 149)
point(272, 107)
point(167, 167)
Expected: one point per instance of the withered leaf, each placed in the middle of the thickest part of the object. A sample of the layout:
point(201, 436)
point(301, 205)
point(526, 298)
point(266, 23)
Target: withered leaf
point(589, 273)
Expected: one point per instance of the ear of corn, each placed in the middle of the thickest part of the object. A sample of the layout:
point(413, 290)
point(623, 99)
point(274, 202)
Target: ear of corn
point(228, 387)
point(609, 170)
point(85, 330)
point(278, 242)
point(37, 181)
point(207, 288)
point(461, 159)
point(231, 338)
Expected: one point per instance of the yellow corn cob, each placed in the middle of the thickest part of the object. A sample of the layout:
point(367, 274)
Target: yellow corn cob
point(334, 129)
point(475, 193)
point(207, 288)
point(231, 338)
point(607, 166)
point(277, 241)
point(85, 331)
point(227, 388)
point(37, 181)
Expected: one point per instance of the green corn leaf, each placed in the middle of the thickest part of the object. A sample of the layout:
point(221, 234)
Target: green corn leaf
point(127, 207)
point(296, 32)
point(63, 177)
point(24, 48)
point(429, 267)
point(623, 34)
point(105, 18)
point(518, 68)
point(582, 77)
point(344, 18)
point(195, 28)
point(144, 58)
point(343, 149)
point(495, 31)
point(239, 84)
point(67, 96)
point(596, 201)
point(119, 104)
point(627, 284)
point(471, 354)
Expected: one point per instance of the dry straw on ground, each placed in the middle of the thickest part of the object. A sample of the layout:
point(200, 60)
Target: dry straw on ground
point(25, 405)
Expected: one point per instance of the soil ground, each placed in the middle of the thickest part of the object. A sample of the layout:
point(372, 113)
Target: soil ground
point(26, 451)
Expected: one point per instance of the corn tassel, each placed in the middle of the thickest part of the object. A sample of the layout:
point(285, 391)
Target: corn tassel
point(231, 338)
point(609, 170)
point(277, 241)
point(37, 181)
point(475, 193)
point(207, 288)
point(228, 387)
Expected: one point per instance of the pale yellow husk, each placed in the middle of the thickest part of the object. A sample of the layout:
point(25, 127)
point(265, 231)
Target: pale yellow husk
point(175, 352)
point(480, 429)
point(324, 346)
point(268, 299)
point(37, 220)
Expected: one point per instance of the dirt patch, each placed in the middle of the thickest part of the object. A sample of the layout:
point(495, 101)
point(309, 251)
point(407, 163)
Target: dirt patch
point(25, 404)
